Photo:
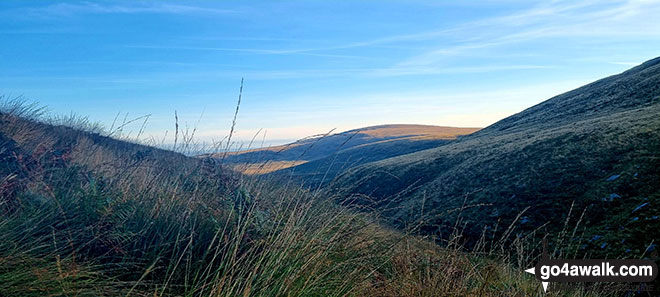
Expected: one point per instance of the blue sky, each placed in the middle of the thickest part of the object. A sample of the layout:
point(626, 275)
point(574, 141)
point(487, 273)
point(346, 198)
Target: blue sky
point(313, 66)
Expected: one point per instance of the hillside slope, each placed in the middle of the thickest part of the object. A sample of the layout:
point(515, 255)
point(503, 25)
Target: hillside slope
point(321, 158)
point(84, 214)
point(597, 146)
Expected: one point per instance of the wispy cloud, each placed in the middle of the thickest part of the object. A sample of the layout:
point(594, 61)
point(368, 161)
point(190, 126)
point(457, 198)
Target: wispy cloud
point(560, 19)
point(477, 39)
point(553, 20)
point(625, 63)
point(430, 69)
point(69, 9)
point(196, 75)
point(249, 50)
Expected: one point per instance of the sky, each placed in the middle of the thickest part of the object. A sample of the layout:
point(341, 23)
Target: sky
point(312, 66)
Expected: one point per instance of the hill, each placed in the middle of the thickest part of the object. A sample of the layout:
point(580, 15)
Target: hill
point(588, 158)
point(320, 158)
point(85, 214)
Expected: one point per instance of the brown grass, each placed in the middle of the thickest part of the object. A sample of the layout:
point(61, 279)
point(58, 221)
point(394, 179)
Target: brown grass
point(265, 167)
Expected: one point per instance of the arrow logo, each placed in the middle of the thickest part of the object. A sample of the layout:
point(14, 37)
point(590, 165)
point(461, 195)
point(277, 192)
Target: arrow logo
point(545, 284)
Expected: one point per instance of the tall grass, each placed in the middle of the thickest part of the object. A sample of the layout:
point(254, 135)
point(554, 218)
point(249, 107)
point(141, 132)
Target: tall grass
point(83, 214)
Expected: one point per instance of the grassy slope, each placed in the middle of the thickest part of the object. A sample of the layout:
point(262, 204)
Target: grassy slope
point(558, 152)
point(87, 215)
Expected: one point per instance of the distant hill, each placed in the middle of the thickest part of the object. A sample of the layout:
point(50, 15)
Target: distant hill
point(597, 146)
point(322, 157)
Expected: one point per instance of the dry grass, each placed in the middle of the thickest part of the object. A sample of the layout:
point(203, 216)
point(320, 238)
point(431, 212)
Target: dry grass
point(88, 215)
point(265, 167)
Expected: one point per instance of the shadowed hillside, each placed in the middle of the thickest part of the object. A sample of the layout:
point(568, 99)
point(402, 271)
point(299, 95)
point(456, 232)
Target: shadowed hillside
point(597, 146)
point(322, 157)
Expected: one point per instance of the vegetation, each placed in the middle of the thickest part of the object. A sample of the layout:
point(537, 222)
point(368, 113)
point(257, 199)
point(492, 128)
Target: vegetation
point(593, 152)
point(85, 214)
